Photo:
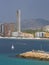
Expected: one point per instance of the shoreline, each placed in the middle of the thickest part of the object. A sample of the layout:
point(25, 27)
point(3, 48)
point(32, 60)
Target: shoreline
point(24, 38)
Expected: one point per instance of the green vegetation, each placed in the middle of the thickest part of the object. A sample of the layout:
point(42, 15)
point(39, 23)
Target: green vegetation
point(29, 31)
point(32, 31)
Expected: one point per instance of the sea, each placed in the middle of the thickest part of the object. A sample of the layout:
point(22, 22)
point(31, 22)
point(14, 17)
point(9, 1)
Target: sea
point(8, 55)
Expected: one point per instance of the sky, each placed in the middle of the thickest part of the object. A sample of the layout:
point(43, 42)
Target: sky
point(30, 9)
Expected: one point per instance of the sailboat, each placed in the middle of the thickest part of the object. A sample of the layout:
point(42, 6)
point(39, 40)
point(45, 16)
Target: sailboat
point(12, 47)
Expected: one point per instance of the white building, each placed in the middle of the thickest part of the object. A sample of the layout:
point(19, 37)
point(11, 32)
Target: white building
point(39, 34)
point(14, 34)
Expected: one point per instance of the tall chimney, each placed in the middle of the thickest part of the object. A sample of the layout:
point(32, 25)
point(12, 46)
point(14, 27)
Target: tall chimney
point(18, 21)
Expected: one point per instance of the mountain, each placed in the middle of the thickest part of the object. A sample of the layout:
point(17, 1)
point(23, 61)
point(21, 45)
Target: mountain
point(34, 23)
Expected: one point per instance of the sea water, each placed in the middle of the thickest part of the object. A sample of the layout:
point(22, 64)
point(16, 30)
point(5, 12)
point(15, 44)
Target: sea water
point(8, 56)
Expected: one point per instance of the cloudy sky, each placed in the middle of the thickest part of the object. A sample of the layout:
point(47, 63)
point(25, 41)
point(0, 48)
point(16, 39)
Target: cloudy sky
point(29, 9)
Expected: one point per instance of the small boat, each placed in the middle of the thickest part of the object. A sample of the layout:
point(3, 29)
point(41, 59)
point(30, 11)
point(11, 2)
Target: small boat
point(12, 47)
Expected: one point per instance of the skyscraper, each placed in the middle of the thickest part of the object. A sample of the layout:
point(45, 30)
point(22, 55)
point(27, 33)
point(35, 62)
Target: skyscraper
point(18, 14)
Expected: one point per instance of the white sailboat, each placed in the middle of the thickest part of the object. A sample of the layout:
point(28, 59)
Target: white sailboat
point(12, 47)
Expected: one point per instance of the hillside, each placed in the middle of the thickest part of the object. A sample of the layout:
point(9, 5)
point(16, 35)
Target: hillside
point(34, 23)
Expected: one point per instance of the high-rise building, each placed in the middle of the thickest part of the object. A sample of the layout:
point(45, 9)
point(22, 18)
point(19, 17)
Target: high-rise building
point(2, 28)
point(18, 21)
point(6, 29)
point(12, 27)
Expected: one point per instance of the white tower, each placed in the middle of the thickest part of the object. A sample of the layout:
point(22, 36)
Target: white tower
point(18, 21)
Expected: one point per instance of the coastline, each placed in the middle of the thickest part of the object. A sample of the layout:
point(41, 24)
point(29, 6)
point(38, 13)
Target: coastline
point(24, 38)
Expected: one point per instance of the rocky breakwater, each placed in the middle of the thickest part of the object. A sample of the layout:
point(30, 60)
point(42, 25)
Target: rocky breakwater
point(40, 55)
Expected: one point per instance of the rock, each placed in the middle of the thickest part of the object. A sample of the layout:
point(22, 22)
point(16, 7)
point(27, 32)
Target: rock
point(34, 55)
